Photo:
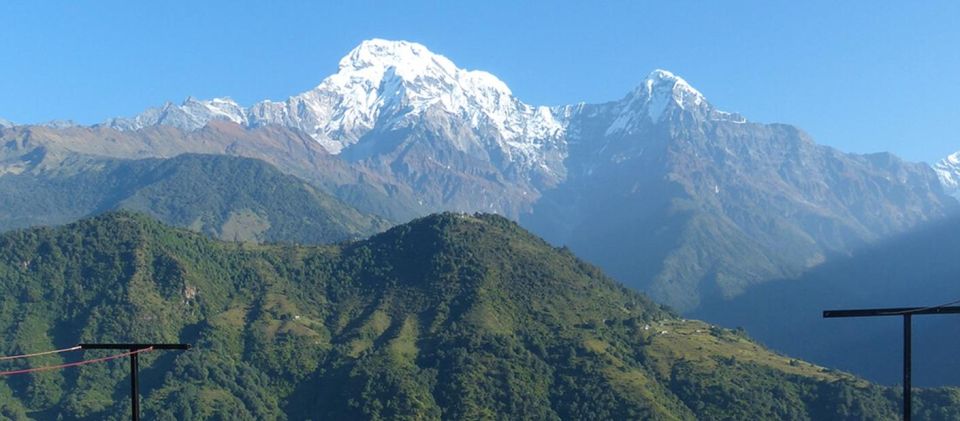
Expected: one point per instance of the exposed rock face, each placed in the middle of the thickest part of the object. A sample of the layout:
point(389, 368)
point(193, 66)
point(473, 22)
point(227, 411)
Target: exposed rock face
point(700, 204)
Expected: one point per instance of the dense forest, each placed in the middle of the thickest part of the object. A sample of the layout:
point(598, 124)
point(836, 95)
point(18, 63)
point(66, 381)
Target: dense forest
point(227, 197)
point(451, 316)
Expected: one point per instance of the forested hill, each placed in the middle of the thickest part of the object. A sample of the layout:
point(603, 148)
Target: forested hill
point(228, 197)
point(449, 316)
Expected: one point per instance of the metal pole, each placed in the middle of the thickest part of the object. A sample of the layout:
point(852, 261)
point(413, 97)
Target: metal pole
point(907, 313)
point(134, 367)
point(906, 366)
point(134, 387)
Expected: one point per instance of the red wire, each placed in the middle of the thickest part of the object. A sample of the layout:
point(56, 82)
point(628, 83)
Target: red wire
point(74, 364)
point(37, 354)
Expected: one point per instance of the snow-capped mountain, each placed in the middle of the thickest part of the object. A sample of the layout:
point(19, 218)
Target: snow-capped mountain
point(390, 83)
point(661, 96)
point(192, 114)
point(384, 87)
point(6, 123)
point(709, 203)
point(948, 170)
point(661, 188)
point(381, 85)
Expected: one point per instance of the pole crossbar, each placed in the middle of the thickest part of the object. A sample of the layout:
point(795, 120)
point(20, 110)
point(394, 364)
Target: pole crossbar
point(133, 351)
point(907, 313)
point(135, 366)
point(893, 311)
point(183, 347)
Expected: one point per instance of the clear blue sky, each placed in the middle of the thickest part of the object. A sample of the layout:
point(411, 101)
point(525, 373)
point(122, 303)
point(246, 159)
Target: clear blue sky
point(861, 76)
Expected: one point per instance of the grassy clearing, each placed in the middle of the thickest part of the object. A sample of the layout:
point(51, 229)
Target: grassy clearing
point(704, 345)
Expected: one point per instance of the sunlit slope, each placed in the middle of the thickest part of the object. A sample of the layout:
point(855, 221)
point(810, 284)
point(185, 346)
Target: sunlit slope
point(449, 316)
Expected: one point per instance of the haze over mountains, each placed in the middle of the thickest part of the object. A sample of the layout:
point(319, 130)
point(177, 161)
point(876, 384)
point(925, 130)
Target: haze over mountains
point(661, 188)
point(916, 268)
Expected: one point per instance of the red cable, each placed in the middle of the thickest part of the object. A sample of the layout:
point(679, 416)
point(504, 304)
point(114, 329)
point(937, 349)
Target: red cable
point(37, 354)
point(74, 364)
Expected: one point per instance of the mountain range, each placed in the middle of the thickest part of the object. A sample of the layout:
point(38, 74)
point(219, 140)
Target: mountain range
point(661, 188)
point(299, 309)
point(700, 205)
point(451, 316)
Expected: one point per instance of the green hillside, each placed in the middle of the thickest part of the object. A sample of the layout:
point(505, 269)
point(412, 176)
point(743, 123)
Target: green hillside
point(227, 197)
point(447, 317)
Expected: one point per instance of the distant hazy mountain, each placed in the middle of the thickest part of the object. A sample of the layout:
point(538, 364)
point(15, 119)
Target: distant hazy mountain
point(691, 203)
point(662, 188)
point(5, 123)
point(459, 138)
point(227, 197)
point(916, 269)
point(48, 150)
point(449, 316)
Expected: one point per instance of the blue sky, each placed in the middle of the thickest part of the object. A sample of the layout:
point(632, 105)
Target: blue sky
point(860, 76)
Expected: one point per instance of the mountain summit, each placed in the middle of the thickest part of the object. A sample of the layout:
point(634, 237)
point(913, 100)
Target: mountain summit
point(660, 95)
point(389, 85)
point(384, 85)
point(663, 88)
point(948, 170)
point(192, 114)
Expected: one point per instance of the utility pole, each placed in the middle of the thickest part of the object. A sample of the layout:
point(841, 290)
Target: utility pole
point(135, 367)
point(906, 313)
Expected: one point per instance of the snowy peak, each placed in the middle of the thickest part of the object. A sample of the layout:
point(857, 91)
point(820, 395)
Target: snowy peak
point(663, 88)
point(657, 96)
point(948, 170)
point(217, 108)
point(408, 59)
point(384, 85)
point(192, 114)
point(401, 74)
point(412, 62)
point(4, 123)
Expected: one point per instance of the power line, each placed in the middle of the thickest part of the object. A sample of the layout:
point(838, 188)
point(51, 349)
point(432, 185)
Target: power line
point(37, 354)
point(134, 351)
point(922, 309)
point(74, 364)
point(135, 367)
